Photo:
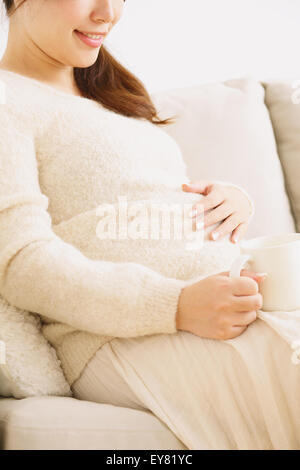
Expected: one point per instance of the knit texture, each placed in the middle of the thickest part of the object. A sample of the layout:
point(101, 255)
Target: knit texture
point(62, 157)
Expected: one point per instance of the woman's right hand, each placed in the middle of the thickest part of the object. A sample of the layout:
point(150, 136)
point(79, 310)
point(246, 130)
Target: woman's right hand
point(218, 306)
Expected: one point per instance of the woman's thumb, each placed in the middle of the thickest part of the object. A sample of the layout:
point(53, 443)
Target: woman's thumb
point(256, 276)
point(246, 272)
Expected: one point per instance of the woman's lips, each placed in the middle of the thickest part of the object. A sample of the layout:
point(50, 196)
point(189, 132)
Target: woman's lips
point(89, 41)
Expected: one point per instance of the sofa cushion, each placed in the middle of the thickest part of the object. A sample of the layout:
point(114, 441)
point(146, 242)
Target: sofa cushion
point(65, 423)
point(225, 133)
point(283, 101)
point(31, 366)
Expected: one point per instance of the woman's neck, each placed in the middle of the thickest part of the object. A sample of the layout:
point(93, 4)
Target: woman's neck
point(74, 90)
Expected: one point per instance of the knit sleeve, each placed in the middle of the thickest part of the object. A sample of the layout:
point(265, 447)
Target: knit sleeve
point(42, 273)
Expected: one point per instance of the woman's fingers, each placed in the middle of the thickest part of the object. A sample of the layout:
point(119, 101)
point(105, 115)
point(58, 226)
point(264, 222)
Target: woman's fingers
point(197, 186)
point(258, 277)
point(216, 215)
point(210, 201)
point(237, 331)
point(246, 303)
point(225, 227)
point(244, 318)
point(239, 232)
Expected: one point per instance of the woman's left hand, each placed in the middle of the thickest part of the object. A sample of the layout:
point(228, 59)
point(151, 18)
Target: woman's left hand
point(227, 204)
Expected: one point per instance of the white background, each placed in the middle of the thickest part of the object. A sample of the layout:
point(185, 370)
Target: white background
point(177, 43)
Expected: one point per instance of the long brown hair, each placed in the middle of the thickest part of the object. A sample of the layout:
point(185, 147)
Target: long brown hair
point(111, 84)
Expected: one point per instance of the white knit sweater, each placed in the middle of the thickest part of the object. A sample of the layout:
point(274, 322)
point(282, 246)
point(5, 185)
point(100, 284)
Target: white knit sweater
point(61, 157)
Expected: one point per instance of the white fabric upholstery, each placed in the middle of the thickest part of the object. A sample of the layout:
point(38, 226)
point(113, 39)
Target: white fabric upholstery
point(283, 101)
point(58, 423)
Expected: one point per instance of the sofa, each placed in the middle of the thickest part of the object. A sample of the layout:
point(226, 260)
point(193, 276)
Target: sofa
point(242, 131)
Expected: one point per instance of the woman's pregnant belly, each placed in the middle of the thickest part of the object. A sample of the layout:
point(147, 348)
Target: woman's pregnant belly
point(156, 233)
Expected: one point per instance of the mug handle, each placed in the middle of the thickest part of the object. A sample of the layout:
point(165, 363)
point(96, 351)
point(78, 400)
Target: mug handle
point(238, 264)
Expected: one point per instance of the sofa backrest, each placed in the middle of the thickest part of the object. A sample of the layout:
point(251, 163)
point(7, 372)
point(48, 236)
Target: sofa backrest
point(225, 133)
point(283, 102)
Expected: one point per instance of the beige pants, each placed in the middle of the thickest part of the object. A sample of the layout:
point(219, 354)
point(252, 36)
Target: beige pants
point(237, 394)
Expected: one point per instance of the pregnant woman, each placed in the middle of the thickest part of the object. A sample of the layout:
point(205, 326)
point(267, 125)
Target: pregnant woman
point(136, 322)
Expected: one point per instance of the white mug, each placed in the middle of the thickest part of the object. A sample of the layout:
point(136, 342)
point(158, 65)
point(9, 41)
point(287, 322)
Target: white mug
point(279, 257)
